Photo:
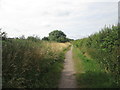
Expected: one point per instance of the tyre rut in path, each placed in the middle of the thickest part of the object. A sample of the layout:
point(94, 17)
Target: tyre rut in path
point(68, 79)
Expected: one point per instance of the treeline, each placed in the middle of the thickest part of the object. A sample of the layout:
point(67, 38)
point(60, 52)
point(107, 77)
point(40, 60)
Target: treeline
point(55, 36)
point(104, 47)
point(31, 62)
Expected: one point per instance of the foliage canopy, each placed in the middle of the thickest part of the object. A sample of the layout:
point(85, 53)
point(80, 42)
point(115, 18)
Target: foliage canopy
point(57, 36)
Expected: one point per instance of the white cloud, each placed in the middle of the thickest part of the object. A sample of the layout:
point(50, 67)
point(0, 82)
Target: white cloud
point(39, 17)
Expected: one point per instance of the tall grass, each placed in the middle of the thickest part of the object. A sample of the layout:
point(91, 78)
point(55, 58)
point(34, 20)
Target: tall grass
point(29, 64)
point(104, 47)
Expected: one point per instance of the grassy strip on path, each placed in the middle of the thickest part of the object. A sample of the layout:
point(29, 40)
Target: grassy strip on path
point(89, 74)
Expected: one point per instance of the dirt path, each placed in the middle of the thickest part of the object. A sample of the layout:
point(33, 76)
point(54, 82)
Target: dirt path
point(68, 74)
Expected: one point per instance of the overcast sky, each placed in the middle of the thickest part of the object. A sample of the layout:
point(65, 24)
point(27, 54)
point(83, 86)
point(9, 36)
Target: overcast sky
point(76, 18)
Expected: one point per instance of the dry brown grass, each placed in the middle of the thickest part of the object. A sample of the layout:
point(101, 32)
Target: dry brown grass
point(57, 47)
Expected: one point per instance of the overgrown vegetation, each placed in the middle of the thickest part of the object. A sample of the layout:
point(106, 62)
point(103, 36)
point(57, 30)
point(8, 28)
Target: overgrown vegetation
point(89, 73)
point(104, 48)
point(31, 63)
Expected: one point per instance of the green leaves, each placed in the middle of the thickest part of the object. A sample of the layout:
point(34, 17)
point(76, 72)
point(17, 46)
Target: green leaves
point(106, 47)
point(57, 36)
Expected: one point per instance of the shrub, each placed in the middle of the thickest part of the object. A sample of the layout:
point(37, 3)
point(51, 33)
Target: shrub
point(104, 47)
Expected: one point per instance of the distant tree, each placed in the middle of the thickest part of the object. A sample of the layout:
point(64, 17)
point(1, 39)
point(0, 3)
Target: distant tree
point(45, 38)
point(33, 38)
point(3, 35)
point(22, 37)
point(62, 39)
point(57, 36)
point(69, 39)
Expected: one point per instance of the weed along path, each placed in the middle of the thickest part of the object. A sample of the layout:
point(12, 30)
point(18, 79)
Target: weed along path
point(68, 79)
